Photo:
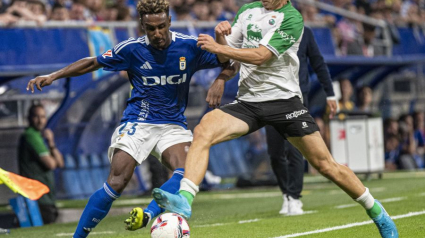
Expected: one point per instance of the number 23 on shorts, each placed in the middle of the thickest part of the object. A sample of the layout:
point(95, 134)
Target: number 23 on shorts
point(130, 132)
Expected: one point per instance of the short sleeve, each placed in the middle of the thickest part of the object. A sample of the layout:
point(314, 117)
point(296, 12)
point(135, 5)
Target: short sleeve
point(282, 38)
point(37, 143)
point(207, 60)
point(115, 59)
point(235, 39)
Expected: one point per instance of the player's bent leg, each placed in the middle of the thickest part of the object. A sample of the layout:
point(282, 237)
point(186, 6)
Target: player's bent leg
point(173, 158)
point(215, 127)
point(100, 202)
point(122, 168)
point(315, 151)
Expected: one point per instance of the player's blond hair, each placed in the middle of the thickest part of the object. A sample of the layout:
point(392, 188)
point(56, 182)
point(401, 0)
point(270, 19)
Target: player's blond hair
point(153, 7)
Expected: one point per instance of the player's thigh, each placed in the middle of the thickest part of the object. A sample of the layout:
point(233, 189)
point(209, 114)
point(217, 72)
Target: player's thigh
point(313, 148)
point(173, 145)
point(218, 126)
point(174, 157)
point(122, 165)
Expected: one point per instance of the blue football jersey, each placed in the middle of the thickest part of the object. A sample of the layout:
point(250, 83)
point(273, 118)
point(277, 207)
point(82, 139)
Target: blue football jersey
point(159, 78)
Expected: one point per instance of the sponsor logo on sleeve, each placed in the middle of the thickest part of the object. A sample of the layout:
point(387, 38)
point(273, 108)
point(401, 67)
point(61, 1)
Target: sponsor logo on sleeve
point(285, 36)
point(107, 54)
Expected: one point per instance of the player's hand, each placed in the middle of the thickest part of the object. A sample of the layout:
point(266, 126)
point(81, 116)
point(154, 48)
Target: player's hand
point(39, 82)
point(206, 42)
point(215, 93)
point(223, 29)
point(48, 135)
point(333, 107)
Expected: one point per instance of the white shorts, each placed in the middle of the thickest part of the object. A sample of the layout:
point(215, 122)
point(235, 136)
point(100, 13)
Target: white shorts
point(141, 139)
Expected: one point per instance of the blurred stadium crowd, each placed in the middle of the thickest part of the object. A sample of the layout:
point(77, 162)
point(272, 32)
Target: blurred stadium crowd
point(347, 32)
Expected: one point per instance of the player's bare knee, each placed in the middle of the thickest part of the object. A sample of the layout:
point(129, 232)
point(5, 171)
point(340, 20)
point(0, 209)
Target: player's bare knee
point(202, 134)
point(118, 180)
point(175, 162)
point(117, 183)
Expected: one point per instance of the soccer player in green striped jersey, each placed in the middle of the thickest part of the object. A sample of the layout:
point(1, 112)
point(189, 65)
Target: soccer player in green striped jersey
point(265, 37)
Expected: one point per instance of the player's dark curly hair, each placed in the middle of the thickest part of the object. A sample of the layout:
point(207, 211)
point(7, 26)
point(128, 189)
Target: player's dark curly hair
point(153, 7)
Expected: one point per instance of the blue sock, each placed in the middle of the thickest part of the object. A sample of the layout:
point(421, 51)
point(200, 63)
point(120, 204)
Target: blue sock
point(171, 186)
point(96, 209)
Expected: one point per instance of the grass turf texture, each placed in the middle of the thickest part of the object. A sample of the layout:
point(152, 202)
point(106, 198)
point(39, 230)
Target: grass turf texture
point(255, 212)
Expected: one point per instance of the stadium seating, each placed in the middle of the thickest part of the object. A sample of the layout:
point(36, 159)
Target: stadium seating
point(86, 176)
point(71, 179)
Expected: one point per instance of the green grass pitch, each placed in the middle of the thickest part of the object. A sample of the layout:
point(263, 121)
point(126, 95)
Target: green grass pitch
point(252, 213)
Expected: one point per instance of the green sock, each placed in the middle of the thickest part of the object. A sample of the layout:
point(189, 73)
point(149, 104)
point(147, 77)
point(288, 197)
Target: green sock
point(188, 196)
point(374, 211)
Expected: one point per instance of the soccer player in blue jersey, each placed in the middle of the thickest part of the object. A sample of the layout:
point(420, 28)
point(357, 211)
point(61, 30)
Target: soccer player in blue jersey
point(160, 66)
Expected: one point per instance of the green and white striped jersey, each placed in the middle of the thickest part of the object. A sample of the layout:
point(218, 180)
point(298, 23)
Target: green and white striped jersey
point(280, 31)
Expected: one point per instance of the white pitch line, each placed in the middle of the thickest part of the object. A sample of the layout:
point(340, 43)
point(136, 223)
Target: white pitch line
point(224, 224)
point(410, 214)
point(346, 206)
point(387, 200)
point(212, 225)
point(249, 221)
point(304, 213)
point(396, 199)
point(91, 233)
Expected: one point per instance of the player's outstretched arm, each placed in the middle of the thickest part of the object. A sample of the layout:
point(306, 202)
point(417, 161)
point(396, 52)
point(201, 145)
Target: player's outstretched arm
point(215, 92)
point(257, 56)
point(77, 68)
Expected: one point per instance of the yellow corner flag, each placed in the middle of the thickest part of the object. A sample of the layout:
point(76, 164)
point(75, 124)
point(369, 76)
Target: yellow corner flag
point(29, 188)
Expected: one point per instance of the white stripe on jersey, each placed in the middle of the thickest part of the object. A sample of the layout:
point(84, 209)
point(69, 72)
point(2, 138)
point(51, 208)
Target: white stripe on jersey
point(121, 47)
point(123, 42)
point(183, 36)
point(187, 38)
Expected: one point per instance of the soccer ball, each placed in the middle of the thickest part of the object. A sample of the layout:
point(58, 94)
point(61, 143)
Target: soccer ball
point(170, 225)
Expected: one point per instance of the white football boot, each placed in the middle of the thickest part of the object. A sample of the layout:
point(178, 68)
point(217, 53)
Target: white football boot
point(295, 206)
point(284, 209)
